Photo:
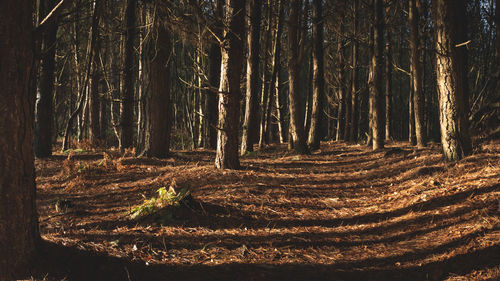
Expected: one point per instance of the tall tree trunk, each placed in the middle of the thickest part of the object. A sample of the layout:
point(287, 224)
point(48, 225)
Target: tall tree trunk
point(378, 92)
point(158, 106)
point(19, 234)
point(417, 78)
point(318, 76)
point(265, 81)
point(353, 129)
point(229, 88)
point(44, 113)
point(275, 78)
point(388, 78)
point(451, 78)
point(341, 121)
point(296, 115)
point(214, 65)
point(127, 103)
point(254, 8)
point(94, 99)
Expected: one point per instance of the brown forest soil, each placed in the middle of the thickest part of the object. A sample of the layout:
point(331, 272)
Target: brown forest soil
point(342, 213)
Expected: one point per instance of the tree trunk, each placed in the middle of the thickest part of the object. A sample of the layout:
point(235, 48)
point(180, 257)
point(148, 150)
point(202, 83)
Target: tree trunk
point(378, 93)
point(127, 103)
point(254, 8)
point(229, 88)
point(275, 78)
point(44, 113)
point(296, 115)
point(265, 87)
point(158, 106)
point(341, 121)
point(94, 99)
point(19, 234)
point(418, 93)
point(318, 76)
point(388, 79)
point(211, 99)
point(353, 129)
point(451, 78)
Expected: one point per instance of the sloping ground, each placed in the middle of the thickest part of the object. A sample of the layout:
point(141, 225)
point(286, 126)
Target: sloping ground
point(342, 213)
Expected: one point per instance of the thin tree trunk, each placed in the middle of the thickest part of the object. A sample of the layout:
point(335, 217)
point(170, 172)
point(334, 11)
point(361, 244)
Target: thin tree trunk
point(353, 129)
point(341, 121)
point(94, 99)
point(388, 79)
point(418, 94)
point(451, 78)
point(266, 84)
point(254, 8)
point(83, 94)
point(276, 71)
point(229, 88)
point(318, 76)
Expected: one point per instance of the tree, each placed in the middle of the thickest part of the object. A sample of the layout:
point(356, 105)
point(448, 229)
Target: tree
point(127, 103)
point(94, 99)
point(318, 76)
point(294, 59)
point(388, 77)
point(229, 87)
point(44, 113)
point(355, 97)
point(158, 106)
point(416, 73)
point(451, 78)
point(18, 216)
point(377, 116)
point(250, 120)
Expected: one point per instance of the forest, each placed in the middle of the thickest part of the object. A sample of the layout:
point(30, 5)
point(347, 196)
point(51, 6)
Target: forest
point(249, 140)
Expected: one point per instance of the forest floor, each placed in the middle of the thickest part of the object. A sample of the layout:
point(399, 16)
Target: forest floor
point(342, 213)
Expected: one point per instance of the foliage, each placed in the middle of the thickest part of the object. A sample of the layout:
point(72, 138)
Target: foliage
point(164, 199)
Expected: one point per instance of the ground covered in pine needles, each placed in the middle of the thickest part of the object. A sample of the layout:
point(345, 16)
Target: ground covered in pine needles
point(342, 213)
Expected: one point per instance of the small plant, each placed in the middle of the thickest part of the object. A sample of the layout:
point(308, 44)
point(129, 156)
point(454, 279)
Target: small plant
point(165, 198)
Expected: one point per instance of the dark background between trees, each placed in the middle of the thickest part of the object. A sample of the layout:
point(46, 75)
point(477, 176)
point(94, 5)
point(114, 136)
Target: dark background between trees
point(152, 76)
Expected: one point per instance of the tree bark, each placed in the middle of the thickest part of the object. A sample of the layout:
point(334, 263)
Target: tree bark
point(353, 129)
point(451, 78)
point(94, 99)
point(229, 88)
point(19, 234)
point(341, 121)
point(388, 79)
point(318, 76)
point(296, 115)
point(254, 8)
point(127, 103)
point(417, 78)
point(158, 106)
point(377, 90)
point(44, 112)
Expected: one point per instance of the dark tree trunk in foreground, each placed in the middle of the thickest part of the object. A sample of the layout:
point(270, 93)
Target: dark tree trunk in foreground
point(127, 103)
point(355, 96)
point(158, 105)
point(451, 78)
point(417, 73)
point(229, 88)
point(18, 218)
point(378, 131)
point(296, 115)
point(44, 113)
point(318, 77)
point(250, 120)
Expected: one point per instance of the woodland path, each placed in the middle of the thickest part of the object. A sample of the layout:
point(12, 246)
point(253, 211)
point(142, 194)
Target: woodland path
point(342, 213)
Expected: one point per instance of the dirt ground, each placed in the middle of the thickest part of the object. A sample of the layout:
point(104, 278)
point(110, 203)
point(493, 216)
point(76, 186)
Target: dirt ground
point(342, 213)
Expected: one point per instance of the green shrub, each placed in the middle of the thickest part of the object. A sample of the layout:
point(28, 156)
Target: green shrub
point(164, 199)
